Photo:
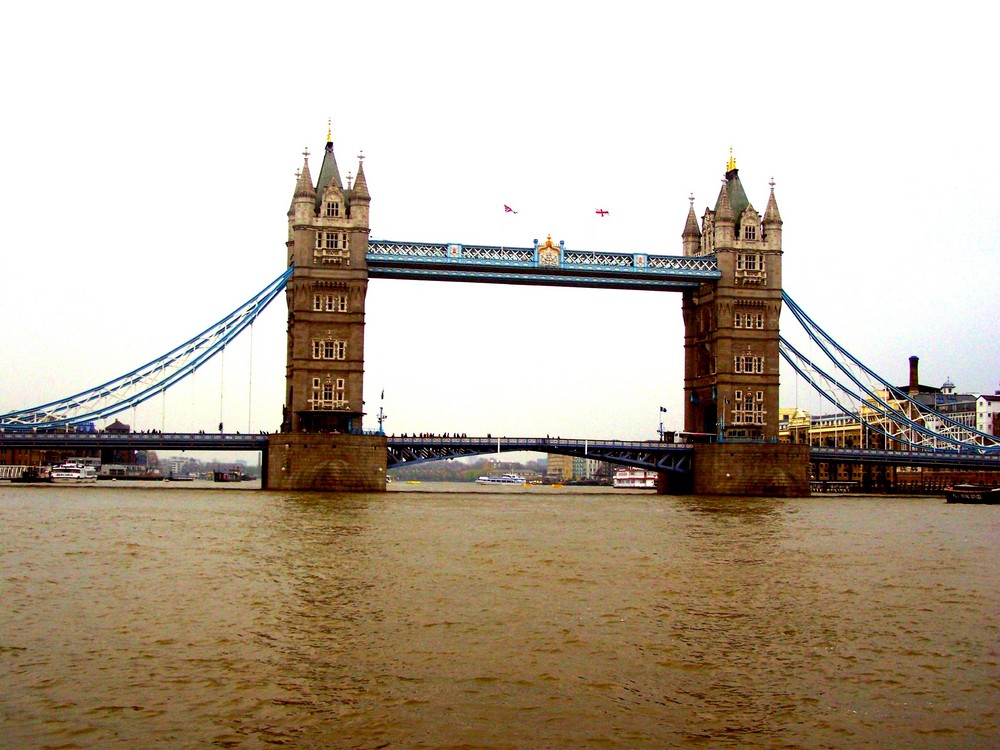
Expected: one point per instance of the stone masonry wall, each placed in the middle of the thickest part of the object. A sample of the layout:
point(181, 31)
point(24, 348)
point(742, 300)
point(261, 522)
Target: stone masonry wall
point(326, 462)
point(752, 469)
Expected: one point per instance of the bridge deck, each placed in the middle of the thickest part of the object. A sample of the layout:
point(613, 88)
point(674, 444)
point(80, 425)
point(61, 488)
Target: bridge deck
point(651, 454)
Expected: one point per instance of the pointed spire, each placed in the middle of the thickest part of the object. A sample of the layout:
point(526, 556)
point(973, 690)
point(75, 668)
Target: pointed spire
point(360, 190)
point(723, 208)
point(329, 174)
point(731, 164)
point(691, 228)
point(771, 213)
point(303, 185)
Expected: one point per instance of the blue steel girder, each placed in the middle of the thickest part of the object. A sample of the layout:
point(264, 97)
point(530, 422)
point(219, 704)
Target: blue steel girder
point(964, 458)
point(527, 265)
point(651, 455)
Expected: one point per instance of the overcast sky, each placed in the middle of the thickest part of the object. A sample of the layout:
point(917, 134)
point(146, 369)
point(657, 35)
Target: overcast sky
point(149, 156)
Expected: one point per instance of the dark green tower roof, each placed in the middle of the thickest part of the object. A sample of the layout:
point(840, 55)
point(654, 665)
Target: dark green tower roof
point(328, 172)
point(737, 195)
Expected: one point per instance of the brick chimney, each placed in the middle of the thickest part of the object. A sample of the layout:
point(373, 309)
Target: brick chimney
point(914, 388)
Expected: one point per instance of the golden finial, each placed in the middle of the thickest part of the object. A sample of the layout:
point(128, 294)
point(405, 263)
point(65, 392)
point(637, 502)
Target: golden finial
point(731, 165)
point(329, 131)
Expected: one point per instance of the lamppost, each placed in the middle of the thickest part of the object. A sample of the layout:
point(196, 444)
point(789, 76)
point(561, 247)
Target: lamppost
point(663, 410)
point(381, 414)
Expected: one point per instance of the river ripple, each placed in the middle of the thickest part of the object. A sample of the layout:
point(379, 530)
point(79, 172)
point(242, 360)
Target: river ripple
point(434, 616)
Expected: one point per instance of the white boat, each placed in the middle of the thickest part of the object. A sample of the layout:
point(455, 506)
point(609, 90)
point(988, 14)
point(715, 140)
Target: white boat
point(503, 479)
point(635, 479)
point(73, 472)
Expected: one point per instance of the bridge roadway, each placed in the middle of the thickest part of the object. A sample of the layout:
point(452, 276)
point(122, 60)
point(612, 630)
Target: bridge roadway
point(651, 454)
point(401, 450)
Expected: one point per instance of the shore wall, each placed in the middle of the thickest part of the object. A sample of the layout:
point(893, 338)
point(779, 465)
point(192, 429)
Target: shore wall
point(751, 469)
point(326, 462)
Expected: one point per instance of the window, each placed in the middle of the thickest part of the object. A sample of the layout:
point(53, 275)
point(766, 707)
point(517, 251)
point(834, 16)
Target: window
point(748, 320)
point(748, 408)
point(750, 232)
point(331, 247)
point(330, 303)
point(750, 268)
point(748, 363)
point(327, 394)
point(329, 349)
point(332, 209)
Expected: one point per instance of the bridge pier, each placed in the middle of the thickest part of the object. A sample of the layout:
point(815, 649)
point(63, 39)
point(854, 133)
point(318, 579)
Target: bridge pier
point(751, 469)
point(329, 462)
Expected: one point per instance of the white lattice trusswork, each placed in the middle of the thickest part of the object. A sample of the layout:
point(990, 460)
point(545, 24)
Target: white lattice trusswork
point(675, 263)
point(516, 254)
point(619, 260)
point(409, 249)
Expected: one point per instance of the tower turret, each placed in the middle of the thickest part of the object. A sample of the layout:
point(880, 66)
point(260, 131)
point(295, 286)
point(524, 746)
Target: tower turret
point(304, 198)
point(725, 221)
point(691, 236)
point(772, 222)
point(360, 198)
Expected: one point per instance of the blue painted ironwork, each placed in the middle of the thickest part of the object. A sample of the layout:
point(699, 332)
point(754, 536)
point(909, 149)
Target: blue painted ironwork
point(523, 265)
point(963, 458)
point(143, 383)
point(897, 417)
point(674, 458)
point(884, 409)
point(652, 455)
point(183, 441)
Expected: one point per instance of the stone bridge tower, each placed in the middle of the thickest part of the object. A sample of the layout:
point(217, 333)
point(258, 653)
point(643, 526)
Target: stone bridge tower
point(321, 445)
point(731, 326)
point(731, 347)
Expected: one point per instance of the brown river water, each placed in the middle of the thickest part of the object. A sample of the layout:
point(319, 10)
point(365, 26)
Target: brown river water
point(451, 616)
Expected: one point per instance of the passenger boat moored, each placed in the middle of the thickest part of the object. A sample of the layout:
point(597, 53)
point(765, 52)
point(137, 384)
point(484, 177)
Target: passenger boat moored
point(972, 493)
point(73, 472)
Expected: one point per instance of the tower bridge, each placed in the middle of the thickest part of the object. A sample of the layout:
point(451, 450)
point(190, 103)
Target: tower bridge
point(729, 273)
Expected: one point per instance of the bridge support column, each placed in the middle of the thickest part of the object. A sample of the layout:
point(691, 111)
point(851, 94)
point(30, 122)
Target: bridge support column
point(327, 462)
point(751, 469)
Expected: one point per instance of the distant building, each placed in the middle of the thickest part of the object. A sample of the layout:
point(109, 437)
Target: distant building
point(843, 431)
point(988, 414)
point(559, 468)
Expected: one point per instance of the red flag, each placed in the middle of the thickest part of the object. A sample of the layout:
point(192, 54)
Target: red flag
point(601, 212)
point(508, 209)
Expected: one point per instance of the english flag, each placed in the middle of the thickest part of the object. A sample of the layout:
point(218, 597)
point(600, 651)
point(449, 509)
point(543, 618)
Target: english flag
point(507, 209)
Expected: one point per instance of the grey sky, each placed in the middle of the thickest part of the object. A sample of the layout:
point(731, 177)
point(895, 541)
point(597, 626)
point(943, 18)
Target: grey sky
point(148, 161)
